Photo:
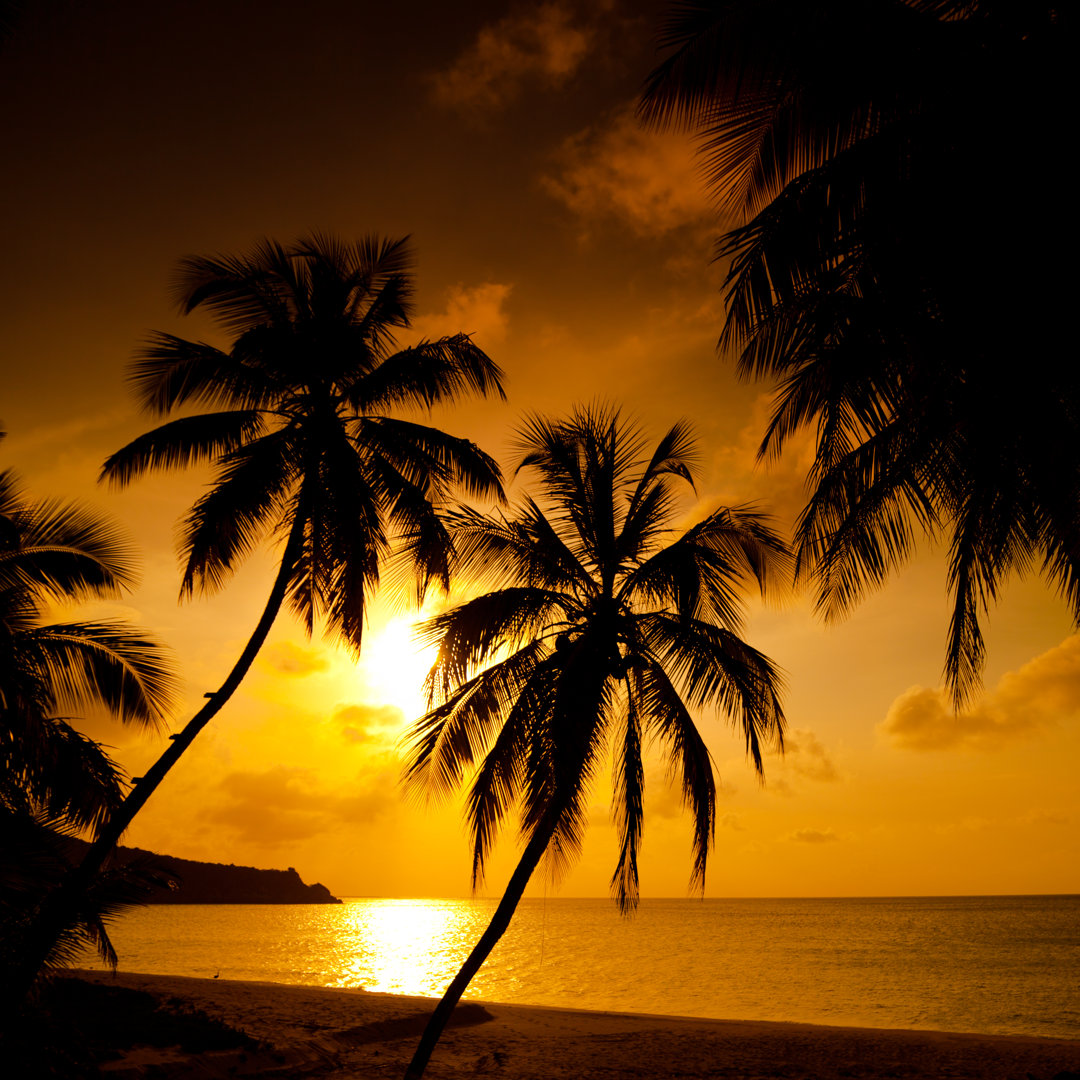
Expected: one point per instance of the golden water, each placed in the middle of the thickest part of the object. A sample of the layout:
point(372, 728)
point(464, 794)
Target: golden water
point(989, 964)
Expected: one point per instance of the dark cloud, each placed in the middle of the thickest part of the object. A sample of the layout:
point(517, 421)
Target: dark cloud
point(646, 179)
point(540, 44)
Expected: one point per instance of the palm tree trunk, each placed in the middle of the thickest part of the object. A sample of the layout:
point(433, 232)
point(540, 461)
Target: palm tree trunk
point(534, 852)
point(62, 904)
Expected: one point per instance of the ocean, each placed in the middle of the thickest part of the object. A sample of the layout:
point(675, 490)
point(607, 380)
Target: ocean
point(997, 965)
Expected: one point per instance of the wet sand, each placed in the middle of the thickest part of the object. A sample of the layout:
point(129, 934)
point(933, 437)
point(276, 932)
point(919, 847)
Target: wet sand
point(353, 1035)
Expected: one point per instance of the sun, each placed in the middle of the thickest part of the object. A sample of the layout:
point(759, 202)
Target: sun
point(394, 666)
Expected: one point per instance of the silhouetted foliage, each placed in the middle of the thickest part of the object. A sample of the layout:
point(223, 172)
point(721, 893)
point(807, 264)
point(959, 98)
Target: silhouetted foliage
point(78, 1026)
point(54, 780)
point(303, 446)
point(902, 163)
point(603, 629)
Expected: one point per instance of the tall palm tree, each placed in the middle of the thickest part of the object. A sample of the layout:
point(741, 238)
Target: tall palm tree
point(879, 281)
point(602, 630)
point(303, 443)
point(54, 780)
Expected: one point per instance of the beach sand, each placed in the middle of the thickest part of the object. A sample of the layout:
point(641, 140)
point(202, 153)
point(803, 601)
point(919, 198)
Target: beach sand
point(355, 1035)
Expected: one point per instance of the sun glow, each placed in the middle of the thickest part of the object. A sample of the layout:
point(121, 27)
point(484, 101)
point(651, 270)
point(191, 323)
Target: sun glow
point(394, 667)
point(406, 946)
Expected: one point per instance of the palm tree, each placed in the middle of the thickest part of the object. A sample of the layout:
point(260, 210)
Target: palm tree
point(874, 282)
point(303, 444)
point(598, 635)
point(57, 553)
point(54, 781)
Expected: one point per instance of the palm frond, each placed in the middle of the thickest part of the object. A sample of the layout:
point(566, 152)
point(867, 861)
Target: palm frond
point(62, 551)
point(169, 372)
point(373, 276)
point(344, 542)
point(182, 443)
point(629, 804)
point(471, 634)
point(527, 550)
point(224, 526)
point(51, 769)
point(857, 525)
point(774, 88)
point(703, 573)
point(449, 739)
point(429, 373)
point(717, 668)
point(500, 777)
point(241, 291)
point(563, 763)
point(431, 458)
point(650, 507)
point(691, 764)
point(104, 662)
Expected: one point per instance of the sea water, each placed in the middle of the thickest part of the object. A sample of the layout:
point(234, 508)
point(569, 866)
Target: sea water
point(1001, 965)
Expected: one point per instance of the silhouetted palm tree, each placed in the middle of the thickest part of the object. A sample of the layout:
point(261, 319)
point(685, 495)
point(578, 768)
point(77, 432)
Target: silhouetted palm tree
point(883, 280)
point(303, 443)
point(54, 780)
point(58, 553)
point(602, 631)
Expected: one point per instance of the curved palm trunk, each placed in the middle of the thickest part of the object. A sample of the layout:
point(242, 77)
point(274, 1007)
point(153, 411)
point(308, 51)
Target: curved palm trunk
point(62, 904)
point(530, 859)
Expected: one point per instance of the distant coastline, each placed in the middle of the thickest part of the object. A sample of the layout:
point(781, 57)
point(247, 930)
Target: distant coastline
point(221, 883)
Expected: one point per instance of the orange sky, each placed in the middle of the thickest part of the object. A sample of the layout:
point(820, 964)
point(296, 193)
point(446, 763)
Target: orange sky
point(576, 248)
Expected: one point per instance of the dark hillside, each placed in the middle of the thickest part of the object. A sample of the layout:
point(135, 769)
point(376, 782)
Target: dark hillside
point(218, 883)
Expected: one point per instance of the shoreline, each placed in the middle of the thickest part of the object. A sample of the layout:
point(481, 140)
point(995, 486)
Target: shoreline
point(356, 1033)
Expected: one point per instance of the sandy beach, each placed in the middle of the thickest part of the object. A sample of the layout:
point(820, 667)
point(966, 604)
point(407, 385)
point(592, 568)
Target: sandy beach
point(339, 1034)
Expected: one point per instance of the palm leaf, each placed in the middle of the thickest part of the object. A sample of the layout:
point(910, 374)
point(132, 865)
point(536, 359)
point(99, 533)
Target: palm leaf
point(105, 662)
point(169, 372)
point(225, 525)
point(182, 443)
point(691, 764)
point(429, 373)
point(450, 738)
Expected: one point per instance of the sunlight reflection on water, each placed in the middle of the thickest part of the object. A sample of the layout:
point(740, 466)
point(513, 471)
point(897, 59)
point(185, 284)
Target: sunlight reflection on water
point(404, 946)
point(989, 964)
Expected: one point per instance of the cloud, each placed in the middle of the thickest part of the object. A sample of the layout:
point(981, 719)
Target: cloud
point(814, 836)
point(733, 822)
point(805, 755)
point(273, 807)
point(775, 485)
point(663, 799)
point(369, 723)
point(288, 658)
point(646, 179)
point(541, 44)
point(1024, 703)
point(285, 804)
point(479, 311)
point(1045, 817)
